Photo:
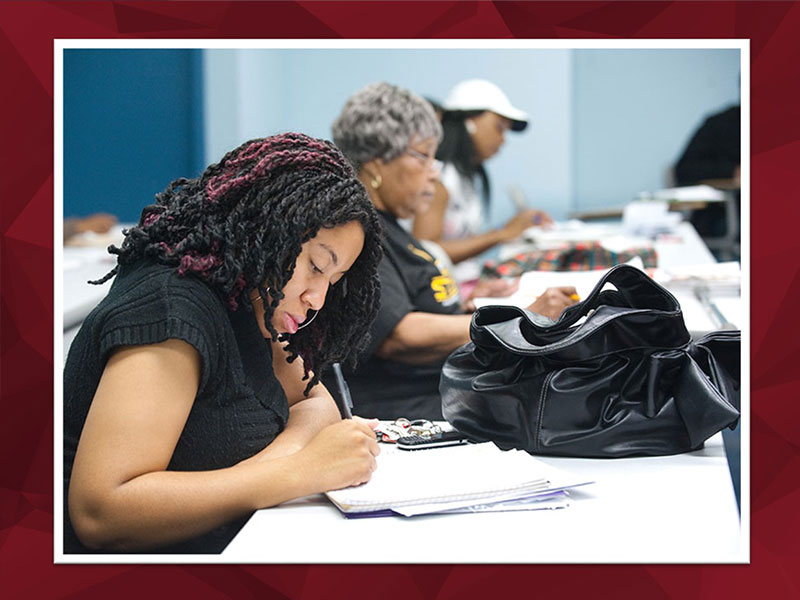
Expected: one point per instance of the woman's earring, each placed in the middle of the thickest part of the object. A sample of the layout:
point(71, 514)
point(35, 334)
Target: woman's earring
point(308, 321)
point(376, 182)
point(471, 127)
point(256, 295)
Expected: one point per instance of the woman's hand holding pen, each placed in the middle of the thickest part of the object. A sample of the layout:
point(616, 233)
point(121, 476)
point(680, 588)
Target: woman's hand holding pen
point(554, 300)
point(522, 220)
point(341, 455)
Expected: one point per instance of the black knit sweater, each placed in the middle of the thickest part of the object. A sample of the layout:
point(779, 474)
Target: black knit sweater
point(240, 406)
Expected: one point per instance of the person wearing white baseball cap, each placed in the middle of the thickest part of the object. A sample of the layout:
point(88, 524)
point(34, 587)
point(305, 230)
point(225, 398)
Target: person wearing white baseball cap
point(482, 95)
point(475, 118)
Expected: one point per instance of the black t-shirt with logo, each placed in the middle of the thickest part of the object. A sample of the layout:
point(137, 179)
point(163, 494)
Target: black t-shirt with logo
point(412, 280)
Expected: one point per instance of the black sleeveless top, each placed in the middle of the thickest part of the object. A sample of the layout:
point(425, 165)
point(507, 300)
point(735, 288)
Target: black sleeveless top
point(240, 406)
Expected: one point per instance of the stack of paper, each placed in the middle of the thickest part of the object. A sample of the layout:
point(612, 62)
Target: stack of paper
point(712, 290)
point(690, 193)
point(649, 218)
point(557, 234)
point(718, 277)
point(469, 478)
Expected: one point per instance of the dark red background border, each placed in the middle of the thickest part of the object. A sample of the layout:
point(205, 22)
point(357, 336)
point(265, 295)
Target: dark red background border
point(27, 31)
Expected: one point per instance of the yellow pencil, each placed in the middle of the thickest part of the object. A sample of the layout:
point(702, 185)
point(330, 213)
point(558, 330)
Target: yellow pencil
point(575, 297)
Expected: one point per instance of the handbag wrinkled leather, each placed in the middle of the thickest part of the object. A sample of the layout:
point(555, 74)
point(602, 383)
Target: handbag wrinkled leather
point(616, 375)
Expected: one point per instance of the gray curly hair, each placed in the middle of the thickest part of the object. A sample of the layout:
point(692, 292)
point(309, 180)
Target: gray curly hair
point(380, 121)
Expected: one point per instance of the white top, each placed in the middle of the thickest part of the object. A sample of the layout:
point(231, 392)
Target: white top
point(463, 217)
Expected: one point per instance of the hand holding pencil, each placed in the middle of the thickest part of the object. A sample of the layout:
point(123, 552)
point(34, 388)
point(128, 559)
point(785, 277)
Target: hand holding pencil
point(554, 300)
point(521, 221)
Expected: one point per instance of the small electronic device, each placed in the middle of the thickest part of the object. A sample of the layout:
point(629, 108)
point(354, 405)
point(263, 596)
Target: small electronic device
point(437, 440)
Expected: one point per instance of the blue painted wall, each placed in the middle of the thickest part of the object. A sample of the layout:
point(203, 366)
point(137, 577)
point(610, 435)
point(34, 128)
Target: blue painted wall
point(132, 123)
point(280, 90)
point(605, 124)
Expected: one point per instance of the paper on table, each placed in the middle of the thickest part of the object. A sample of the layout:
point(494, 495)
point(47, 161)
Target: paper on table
point(690, 193)
point(543, 500)
point(476, 472)
point(568, 231)
point(533, 283)
point(712, 274)
point(648, 218)
point(555, 493)
point(551, 501)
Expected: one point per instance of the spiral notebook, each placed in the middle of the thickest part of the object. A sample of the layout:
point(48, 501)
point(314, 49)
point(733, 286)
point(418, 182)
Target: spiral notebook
point(449, 477)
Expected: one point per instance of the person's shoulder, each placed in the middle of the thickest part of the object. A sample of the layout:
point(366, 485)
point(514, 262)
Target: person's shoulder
point(397, 238)
point(163, 283)
point(730, 115)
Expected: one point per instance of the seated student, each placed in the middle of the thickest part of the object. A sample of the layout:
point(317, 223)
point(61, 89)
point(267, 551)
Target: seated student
point(391, 134)
point(475, 117)
point(713, 153)
point(191, 393)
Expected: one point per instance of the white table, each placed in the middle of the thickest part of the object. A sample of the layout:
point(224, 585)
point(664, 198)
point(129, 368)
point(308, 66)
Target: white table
point(671, 509)
point(80, 266)
point(85, 260)
point(655, 509)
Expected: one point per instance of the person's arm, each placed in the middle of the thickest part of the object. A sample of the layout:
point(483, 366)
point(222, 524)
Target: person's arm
point(307, 415)
point(121, 496)
point(429, 226)
point(98, 222)
point(421, 338)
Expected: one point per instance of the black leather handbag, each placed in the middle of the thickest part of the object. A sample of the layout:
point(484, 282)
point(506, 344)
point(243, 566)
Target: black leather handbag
point(616, 375)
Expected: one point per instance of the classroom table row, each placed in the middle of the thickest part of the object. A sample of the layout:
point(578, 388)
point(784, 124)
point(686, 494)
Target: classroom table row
point(681, 251)
point(685, 248)
point(669, 509)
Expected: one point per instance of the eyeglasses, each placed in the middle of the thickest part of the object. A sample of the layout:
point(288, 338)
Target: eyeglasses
point(429, 160)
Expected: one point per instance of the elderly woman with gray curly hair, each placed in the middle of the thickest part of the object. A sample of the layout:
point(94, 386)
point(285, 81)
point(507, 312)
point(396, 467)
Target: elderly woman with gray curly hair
point(391, 135)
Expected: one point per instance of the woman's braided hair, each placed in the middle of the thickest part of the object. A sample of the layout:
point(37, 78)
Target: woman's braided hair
point(240, 226)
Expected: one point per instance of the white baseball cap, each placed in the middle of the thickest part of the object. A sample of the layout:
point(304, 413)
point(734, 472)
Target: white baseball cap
point(480, 94)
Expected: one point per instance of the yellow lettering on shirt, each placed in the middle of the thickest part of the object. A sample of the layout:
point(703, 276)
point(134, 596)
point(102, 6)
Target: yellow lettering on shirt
point(443, 285)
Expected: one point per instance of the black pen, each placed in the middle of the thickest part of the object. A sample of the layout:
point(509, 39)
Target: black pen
point(346, 407)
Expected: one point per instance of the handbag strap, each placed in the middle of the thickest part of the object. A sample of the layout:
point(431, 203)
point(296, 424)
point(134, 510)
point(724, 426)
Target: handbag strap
point(635, 292)
point(635, 289)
